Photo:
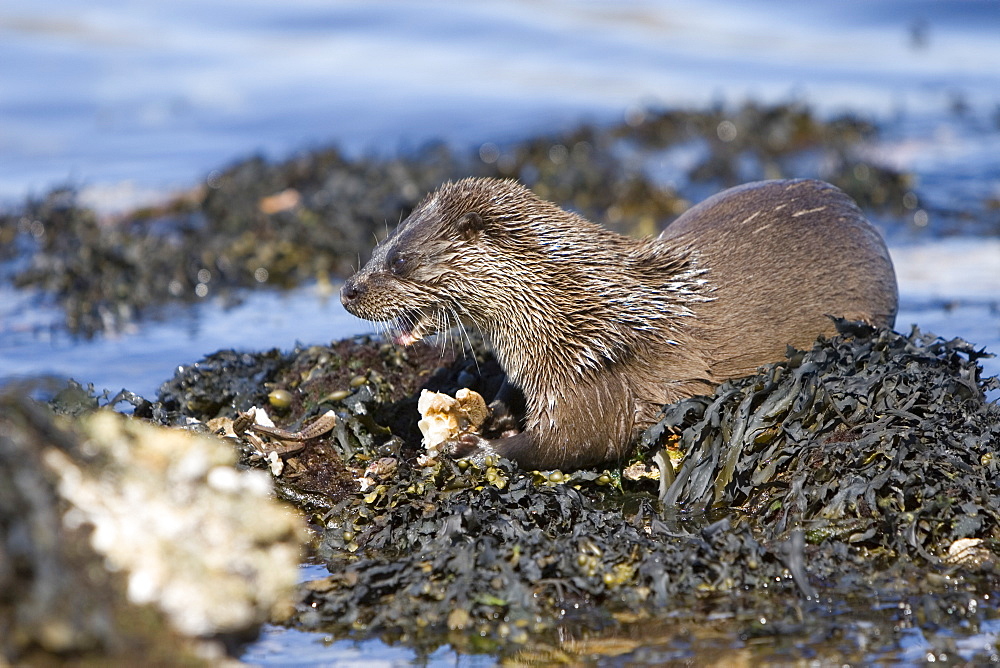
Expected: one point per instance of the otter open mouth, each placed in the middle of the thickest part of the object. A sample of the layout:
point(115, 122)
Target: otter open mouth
point(411, 327)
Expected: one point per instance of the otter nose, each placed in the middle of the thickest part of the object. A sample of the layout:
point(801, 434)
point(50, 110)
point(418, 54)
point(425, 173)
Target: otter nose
point(349, 293)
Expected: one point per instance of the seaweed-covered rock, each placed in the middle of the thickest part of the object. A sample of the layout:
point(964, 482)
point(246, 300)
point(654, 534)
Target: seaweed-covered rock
point(500, 556)
point(221, 382)
point(883, 440)
point(371, 386)
point(864, 463)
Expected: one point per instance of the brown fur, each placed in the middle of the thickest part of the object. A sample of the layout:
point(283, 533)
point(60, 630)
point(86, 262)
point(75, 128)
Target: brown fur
point(599, 330)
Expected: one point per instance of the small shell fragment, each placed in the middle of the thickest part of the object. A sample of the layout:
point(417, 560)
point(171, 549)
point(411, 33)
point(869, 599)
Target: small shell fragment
point(640, 471)
point(261, 417)
point(275, 464)
point(968, 552)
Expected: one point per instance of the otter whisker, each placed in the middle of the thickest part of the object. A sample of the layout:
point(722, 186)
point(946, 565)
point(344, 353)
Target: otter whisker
point(409, 322)
point(441, 327)
point(453, 304)
point(457, 324)
point(465, 333)
point(452, 324)
point(447, 329)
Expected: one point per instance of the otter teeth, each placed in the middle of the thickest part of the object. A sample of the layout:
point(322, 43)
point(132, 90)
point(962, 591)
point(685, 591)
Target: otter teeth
point(407, 330)
point(405, 339)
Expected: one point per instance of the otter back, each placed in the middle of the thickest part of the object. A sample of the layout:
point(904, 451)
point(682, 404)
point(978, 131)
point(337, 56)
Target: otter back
point(780, 257)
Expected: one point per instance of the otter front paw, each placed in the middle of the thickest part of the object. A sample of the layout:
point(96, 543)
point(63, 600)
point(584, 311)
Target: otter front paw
point(501, 420)
point(469, 446)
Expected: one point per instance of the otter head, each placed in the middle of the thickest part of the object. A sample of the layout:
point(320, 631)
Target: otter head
point(440, 266)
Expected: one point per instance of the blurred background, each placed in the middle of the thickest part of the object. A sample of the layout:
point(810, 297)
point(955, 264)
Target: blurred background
point(138, 106)
point(128, 99)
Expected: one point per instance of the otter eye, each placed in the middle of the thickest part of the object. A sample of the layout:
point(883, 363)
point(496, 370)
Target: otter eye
point(397, 263)
point(470, 224)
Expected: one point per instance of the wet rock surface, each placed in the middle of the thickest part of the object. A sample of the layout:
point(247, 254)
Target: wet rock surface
point(311, 217)
point(127, 542)
point(846, 493)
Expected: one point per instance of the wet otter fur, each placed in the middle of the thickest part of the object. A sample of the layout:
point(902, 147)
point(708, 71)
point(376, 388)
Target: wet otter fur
point(599, 330)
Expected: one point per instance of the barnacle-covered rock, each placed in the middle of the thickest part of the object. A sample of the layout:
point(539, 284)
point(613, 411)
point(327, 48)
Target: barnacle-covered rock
point(124, 540)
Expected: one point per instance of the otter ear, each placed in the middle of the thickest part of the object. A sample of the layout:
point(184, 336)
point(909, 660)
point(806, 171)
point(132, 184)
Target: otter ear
point(470, 225)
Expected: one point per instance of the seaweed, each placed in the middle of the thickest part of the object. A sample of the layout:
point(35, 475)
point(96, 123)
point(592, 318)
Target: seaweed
point(866, 463)
point(848, 491)
point(883, 440)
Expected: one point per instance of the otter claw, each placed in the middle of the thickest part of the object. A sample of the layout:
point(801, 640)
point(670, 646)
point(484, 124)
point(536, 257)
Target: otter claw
point(473, 447)
point(465, 445)
point(501, 420)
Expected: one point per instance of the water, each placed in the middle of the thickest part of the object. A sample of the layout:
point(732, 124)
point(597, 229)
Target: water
point(149, 352)
point(129, 100)
point(157, 94)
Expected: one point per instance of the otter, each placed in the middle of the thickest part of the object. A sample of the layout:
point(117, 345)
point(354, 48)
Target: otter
point(598, 330)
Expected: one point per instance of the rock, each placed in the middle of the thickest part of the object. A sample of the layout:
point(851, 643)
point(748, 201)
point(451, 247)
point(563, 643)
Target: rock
point(119, 539)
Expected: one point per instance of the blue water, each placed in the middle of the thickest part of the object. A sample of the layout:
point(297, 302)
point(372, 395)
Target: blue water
point(158, 94)
point(129, 100)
